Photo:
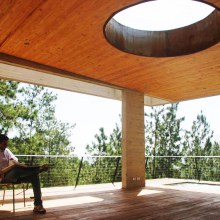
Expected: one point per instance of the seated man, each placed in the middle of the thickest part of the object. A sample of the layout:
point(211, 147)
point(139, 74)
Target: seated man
point(19, 174)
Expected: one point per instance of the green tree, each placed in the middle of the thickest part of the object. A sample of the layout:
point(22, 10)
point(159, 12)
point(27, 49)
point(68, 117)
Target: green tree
point(213, 163)
point(39, 132)
point(103, 147)
point(28, 111)
point(198, 143)
point(171, 141)
point(29, 131)
point(152, 136)
point(163, 138)
point(115, 147)
point(100, 146)
point(115, 142)
point(10, 109)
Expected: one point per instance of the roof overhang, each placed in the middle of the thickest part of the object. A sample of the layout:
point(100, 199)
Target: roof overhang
point(53, 39)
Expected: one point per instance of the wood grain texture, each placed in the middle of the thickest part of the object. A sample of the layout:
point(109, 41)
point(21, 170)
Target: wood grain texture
point(105, 201)
point(68, 35)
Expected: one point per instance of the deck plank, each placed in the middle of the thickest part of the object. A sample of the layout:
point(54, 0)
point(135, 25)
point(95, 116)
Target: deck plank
point(104, 201)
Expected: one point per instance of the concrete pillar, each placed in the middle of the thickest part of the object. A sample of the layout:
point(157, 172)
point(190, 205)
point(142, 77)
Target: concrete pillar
point(133, 140)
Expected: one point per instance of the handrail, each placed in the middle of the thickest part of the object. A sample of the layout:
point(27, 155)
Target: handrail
point(182, 156)
point(88, 169)
point(102, 156)
point(63, 156)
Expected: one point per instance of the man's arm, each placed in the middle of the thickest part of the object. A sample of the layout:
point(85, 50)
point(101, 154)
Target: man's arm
point(13, 164)
point(10, 155)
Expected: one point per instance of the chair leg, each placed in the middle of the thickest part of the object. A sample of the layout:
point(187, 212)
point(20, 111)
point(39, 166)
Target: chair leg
point(3, 199)
point(24, 195)
point(13, 191)
point(13, 198)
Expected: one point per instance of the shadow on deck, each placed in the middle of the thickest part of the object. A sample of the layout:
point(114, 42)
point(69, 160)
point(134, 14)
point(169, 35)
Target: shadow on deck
point(105, 201)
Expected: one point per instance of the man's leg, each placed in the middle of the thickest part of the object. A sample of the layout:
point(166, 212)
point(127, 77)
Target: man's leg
point(14, 175)
point(35, 181)
point(18, 175)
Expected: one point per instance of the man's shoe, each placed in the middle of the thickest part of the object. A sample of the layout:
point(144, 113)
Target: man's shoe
point(39, 209)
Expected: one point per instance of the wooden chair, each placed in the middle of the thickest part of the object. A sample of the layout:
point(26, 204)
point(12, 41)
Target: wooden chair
point(6, 185)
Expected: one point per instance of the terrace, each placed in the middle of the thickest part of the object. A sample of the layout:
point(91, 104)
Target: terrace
point(161, 198)
point(36, 50)
point(64, 44)
point(108, 201)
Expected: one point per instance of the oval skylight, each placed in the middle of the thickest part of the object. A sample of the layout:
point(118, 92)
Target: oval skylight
point(163, 15)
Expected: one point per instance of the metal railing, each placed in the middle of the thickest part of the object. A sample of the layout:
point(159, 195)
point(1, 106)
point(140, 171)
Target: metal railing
point(81, 170)
point(73, 170)
point(183, 167)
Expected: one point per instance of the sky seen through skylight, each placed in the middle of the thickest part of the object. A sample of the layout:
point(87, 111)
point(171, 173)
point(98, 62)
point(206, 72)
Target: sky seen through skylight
point(163, 14)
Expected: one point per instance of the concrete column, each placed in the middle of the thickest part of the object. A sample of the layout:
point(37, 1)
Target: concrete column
point(133, 140)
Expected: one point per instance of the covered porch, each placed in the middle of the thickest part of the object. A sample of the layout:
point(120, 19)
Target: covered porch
point(35, 49)
point(157, 200)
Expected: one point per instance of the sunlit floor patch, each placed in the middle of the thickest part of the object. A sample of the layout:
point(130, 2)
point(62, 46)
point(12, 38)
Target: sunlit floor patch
point(196, 187)
point(72, 201)
point(144, 192)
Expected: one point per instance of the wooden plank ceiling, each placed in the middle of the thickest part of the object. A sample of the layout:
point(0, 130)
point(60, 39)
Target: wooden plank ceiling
point(68, 35)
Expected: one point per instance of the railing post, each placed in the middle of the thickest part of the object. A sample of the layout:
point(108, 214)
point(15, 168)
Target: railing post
point(48, 173)
point(78, 175)
point(153, 166)
point(146, 165)
point(116, 170)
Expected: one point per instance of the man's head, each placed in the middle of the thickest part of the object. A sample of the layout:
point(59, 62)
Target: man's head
point(3, 141)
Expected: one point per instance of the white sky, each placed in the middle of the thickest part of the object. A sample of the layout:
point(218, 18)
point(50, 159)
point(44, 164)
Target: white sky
point(91, 112)
point(172, 14)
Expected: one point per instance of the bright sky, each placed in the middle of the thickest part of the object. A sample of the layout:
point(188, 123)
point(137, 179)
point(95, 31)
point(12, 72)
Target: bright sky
point(209, 106)
point(172, 14)
point(91, 112)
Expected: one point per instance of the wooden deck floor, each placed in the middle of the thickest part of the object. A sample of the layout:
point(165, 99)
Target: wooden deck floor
point(155, 201)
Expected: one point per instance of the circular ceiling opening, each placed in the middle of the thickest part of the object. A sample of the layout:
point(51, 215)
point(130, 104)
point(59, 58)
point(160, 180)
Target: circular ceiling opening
point(163, 15)
point(164, 28)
